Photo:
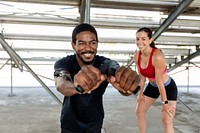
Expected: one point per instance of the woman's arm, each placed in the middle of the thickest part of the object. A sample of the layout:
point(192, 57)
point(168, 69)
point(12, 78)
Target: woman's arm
point(142, 78)
point(159, 64)
point(141, 84)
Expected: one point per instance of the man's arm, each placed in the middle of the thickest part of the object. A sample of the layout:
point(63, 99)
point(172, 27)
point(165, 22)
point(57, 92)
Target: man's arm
point(124, 79)
point(88, 78)
point(64, 84)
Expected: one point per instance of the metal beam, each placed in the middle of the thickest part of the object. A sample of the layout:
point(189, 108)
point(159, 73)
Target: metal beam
point(33, 20)
point(163, 40)
point(187, 59)
point(11, 53)
point(166, 51)
point(52, 2)
point(85, 11)
point(46, 61)
point(4, 63)
point(179, 23)
point(177, 11)
point(20, 62)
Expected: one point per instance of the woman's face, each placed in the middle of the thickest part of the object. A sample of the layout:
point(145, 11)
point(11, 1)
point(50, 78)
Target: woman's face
point(142, 40)
point(85, 47)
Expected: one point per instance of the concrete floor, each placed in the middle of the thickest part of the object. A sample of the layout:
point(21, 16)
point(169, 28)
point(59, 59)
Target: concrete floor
point(33, 110)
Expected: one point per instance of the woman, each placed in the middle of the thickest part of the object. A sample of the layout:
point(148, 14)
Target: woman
point(151, 64)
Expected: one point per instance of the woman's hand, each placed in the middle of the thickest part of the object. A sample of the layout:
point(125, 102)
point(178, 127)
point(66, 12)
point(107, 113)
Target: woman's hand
point(169, 109)
point(141, 98)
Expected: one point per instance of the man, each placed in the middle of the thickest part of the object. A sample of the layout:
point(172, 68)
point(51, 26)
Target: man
point(83, 77)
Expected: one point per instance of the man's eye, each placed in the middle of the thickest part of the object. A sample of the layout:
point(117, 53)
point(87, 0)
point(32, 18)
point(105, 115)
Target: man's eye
point(80, 43)
point(94, 42)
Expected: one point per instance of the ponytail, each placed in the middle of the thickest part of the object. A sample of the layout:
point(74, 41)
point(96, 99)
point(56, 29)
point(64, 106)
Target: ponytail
point(152, 44)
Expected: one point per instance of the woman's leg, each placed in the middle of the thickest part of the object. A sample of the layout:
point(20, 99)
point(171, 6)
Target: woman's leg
point(168, 110)
point(167, 117)
point(141, 109)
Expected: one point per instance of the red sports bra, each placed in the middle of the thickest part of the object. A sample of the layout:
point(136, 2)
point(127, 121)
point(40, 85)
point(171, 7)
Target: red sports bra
point(148, 72)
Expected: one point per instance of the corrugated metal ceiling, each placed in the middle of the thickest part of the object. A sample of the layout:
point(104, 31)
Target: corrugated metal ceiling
point(48, 21)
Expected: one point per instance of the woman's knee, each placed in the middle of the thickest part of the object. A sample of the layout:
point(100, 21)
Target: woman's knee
point(140, 112)
point(167, 121)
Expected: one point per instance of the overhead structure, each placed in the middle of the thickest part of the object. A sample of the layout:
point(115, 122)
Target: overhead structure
point(168, 21)
point(175, 22)
point(38, 28)
point(85, 11)
point(20, 63)
point(186, 60)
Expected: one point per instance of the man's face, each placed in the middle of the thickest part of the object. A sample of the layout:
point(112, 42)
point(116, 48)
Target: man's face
point(85, 47)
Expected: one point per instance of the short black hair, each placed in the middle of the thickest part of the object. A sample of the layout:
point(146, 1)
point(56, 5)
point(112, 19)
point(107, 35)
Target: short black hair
point(83, 27)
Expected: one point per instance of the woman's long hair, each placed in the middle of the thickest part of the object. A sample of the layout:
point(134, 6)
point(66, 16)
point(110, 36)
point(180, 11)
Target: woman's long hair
point(149, 33)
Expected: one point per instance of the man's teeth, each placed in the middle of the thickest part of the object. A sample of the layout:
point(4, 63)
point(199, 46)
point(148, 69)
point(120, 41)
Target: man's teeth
point(87, 54)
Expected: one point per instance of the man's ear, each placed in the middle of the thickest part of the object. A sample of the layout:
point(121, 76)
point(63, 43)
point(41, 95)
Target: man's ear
point(73, 45)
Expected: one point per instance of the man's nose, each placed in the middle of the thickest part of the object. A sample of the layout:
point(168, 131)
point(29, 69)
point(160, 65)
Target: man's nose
point(88, 44)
